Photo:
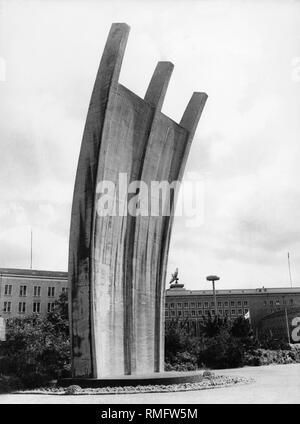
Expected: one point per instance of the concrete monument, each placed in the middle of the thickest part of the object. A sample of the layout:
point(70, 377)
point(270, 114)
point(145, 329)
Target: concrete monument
point(117, 262)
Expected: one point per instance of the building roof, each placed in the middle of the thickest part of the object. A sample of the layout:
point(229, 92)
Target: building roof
point(272, 290)
point(33, 273)
point(174, 291)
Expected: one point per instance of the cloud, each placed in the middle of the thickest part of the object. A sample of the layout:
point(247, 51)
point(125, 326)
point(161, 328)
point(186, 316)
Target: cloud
point(246, 148)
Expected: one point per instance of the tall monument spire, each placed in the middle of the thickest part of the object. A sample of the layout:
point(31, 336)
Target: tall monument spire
point(117, 263)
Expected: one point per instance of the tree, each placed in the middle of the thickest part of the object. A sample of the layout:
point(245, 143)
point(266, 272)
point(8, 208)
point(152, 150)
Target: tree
point(59, 316)
point(176, 338)
point(37, 349)
point(179, 347)
point(242, 331)
point(212, 326)
point(241, 328)
point(219, 344)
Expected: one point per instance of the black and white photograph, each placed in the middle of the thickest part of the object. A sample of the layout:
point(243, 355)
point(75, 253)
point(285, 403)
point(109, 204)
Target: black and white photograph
point(149, 209)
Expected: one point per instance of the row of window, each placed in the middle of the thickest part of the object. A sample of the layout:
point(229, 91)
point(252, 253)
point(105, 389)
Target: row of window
point(200, 312)
point(36, 290)
point(207, 304)
point(36, 307)
point(277, 302)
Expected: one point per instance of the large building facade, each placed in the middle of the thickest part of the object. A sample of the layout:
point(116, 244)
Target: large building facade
point(24, 292)
point(193, 306)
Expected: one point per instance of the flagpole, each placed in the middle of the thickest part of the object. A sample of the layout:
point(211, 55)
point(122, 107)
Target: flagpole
point(287, 326)
point(31, 249)
point(289, 264)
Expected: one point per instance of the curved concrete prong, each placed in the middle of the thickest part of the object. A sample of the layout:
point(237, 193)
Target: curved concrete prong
point(159, 83)
point(111, 62)
point(193, 112)
point(81, 231)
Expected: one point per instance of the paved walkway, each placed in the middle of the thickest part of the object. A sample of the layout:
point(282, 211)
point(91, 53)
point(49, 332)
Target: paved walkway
point(273, 384)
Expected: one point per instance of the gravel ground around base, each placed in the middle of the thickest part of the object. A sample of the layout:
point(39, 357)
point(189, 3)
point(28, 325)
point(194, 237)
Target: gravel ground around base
point(207, 383)
point(274, 384)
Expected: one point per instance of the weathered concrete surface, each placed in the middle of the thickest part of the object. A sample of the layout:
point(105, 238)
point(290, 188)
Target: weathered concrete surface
point(81, 232)
point(117, 264)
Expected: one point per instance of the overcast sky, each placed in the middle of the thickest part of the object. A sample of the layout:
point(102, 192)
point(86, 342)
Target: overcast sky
point(244, 55)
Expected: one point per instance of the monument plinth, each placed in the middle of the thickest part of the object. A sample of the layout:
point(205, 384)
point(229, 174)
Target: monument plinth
point(117, 263)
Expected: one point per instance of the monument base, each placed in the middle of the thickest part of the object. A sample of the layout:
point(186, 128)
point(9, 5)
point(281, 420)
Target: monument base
point(163, 378)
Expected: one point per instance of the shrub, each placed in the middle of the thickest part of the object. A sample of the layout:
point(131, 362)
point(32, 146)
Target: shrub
point(271, 343)
point(222, 351)
point(177, 339)
point(267, 357)
point(37, 349)
point(220, 344)
point(182, 361)
point(212, 327)
point(10, 383)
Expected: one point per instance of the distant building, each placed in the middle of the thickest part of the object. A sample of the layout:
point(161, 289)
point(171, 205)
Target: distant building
point(23, 291)
point(275, 325)
point(193, 305)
